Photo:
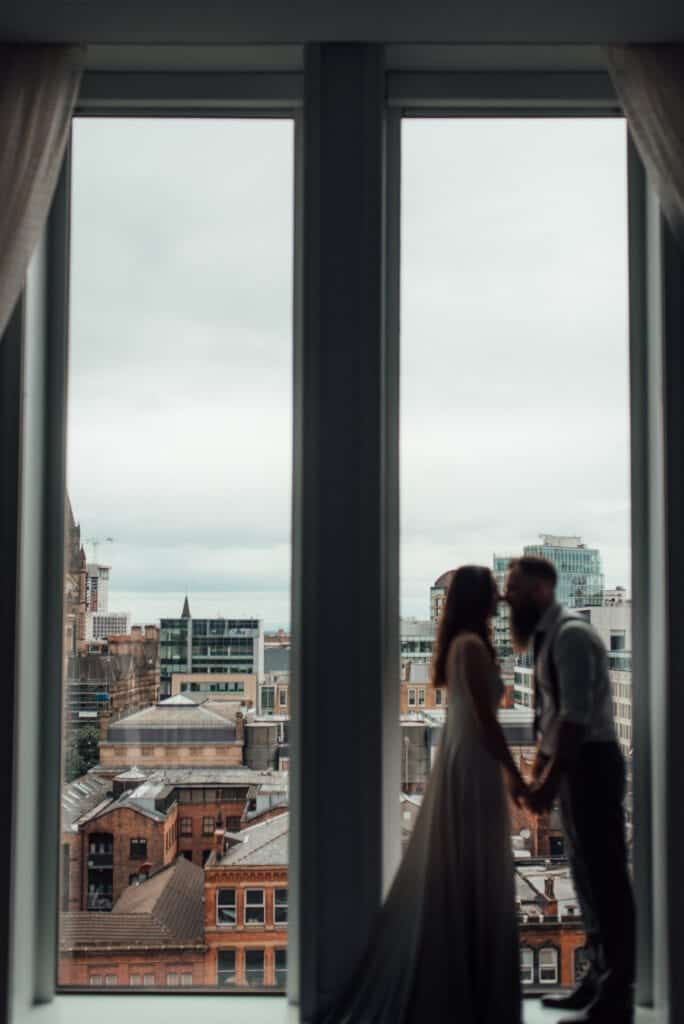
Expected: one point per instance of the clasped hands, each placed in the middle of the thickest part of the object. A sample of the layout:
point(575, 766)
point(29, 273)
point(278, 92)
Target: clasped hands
point(537, 795)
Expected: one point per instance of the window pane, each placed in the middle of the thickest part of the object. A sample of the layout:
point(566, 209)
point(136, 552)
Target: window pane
point(177, 546)
point(226, 966)
point(254, 966)
point(514, 439)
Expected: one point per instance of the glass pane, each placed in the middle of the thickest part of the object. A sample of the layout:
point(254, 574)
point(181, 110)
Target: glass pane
point(177, 543)
point(514, 440)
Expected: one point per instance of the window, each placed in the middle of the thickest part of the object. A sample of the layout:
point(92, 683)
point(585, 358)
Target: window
point(135, 979)
point(95, 979)
point(526, 966)
point(617, 640)
point(421, 696)
point(225, 906)
point(186, 826)
point(225, 969)
point(111, 979)
point(438, 695)
point(138, 849)
point(581, 962)
point(186, 978)
point(412, 698)
point(208, 825)
point(280, 965)
point(254, 906)
point(254, 967)
point(548, 966)
point(172, 978)
point(280, 906)
point(282, 697)
point(148, 979)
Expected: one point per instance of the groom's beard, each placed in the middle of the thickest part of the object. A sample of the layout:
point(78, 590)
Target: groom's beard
point(524, 621)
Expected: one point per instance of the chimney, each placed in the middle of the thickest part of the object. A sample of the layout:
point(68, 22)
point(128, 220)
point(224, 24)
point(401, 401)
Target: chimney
point(136, 632)
point(551, 908)
point(219, 835)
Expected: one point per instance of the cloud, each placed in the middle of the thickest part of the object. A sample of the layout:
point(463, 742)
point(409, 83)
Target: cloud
point(513, 363)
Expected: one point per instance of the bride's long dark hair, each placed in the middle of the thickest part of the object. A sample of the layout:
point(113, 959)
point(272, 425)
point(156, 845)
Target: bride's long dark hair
point(467, 609)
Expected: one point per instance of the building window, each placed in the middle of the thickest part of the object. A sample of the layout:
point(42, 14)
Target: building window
point(438, 696)
point(148, 979)
point(186, 826)
point(548, 966)
point(421, 696)
point(95, 979)
point(280, 906)
point(111, 979)
point(617, 641)
point(208, 826)
point(254, 967)
point(280, 963)
point(135, 979)
point(225, 972)
point(282, 697)
point(186, 979)
point(172, 978)
point(581, 962)
point(412, 698)
point(526, 966)
point(138, 850)
point(254, 906)
point(225, 906)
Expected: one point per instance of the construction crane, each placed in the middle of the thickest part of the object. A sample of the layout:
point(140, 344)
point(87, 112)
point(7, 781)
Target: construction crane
point(96, 541)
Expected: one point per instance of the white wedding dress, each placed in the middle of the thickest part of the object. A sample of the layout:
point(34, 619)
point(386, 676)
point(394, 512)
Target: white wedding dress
point(445, 947)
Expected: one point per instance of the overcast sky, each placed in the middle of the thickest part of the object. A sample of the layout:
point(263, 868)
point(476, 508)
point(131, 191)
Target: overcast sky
point(514, 352)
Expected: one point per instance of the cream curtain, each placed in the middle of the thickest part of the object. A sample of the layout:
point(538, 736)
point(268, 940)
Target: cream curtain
point(38, 89)
point(649, 81)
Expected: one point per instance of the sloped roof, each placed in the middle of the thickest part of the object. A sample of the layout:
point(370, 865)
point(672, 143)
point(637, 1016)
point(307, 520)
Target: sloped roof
point(80, 797)
point(265, 843)
point(185, 614)
point(164, 911)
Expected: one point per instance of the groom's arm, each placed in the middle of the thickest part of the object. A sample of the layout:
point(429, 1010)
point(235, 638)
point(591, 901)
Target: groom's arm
point(574, 660)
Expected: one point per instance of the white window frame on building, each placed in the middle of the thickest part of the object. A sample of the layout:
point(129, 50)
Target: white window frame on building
point(347, 102)
point(547, 960)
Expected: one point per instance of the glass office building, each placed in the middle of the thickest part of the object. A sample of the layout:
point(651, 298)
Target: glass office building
point(580, 579)
point(210, 646)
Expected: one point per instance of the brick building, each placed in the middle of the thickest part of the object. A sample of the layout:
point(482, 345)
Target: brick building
point(176, 731)
point(152, 938)
point(552, 938)
point(246, 906)
point(237, 687)
point(118, 676)
point(135, 833)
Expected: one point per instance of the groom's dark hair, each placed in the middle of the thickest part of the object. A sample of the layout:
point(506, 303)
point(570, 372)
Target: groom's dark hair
point(536, 567)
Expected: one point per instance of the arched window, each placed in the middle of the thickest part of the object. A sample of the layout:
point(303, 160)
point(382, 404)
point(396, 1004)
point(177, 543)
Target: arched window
point(548, 965)
point(526, 965)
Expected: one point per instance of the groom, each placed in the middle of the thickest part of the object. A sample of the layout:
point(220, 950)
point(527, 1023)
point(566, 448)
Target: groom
point(579, 761)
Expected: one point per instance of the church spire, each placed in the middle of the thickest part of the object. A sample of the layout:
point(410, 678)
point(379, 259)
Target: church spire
point(185, 614)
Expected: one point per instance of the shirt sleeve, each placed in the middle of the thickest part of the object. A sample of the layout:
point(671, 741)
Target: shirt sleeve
point(575, 661)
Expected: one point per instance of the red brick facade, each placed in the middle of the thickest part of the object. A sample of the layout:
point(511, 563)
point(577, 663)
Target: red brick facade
point(151, 968)
point(241, 937)
point(126, 826)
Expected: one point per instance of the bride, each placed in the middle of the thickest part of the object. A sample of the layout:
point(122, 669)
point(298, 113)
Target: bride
point(445, 943)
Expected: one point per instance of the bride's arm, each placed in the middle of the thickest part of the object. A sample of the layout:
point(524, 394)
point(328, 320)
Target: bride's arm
point(476, 668)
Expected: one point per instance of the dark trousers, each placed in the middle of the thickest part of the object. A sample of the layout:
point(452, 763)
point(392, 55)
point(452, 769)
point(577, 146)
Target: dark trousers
point(591, 798)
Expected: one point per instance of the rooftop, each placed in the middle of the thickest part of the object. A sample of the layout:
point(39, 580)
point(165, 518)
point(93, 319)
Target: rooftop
point(265, 843)
point(164, 911)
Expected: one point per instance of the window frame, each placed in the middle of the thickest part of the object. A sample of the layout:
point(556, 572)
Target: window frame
point(247, 906)
point(548, 948)
point(219, 907)
point(655, 295)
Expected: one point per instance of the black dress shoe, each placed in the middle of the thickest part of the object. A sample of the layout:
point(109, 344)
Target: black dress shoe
point(579, 999)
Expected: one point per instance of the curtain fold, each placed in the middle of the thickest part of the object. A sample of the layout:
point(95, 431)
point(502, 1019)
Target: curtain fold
point(38, 89)
point(649, 81)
